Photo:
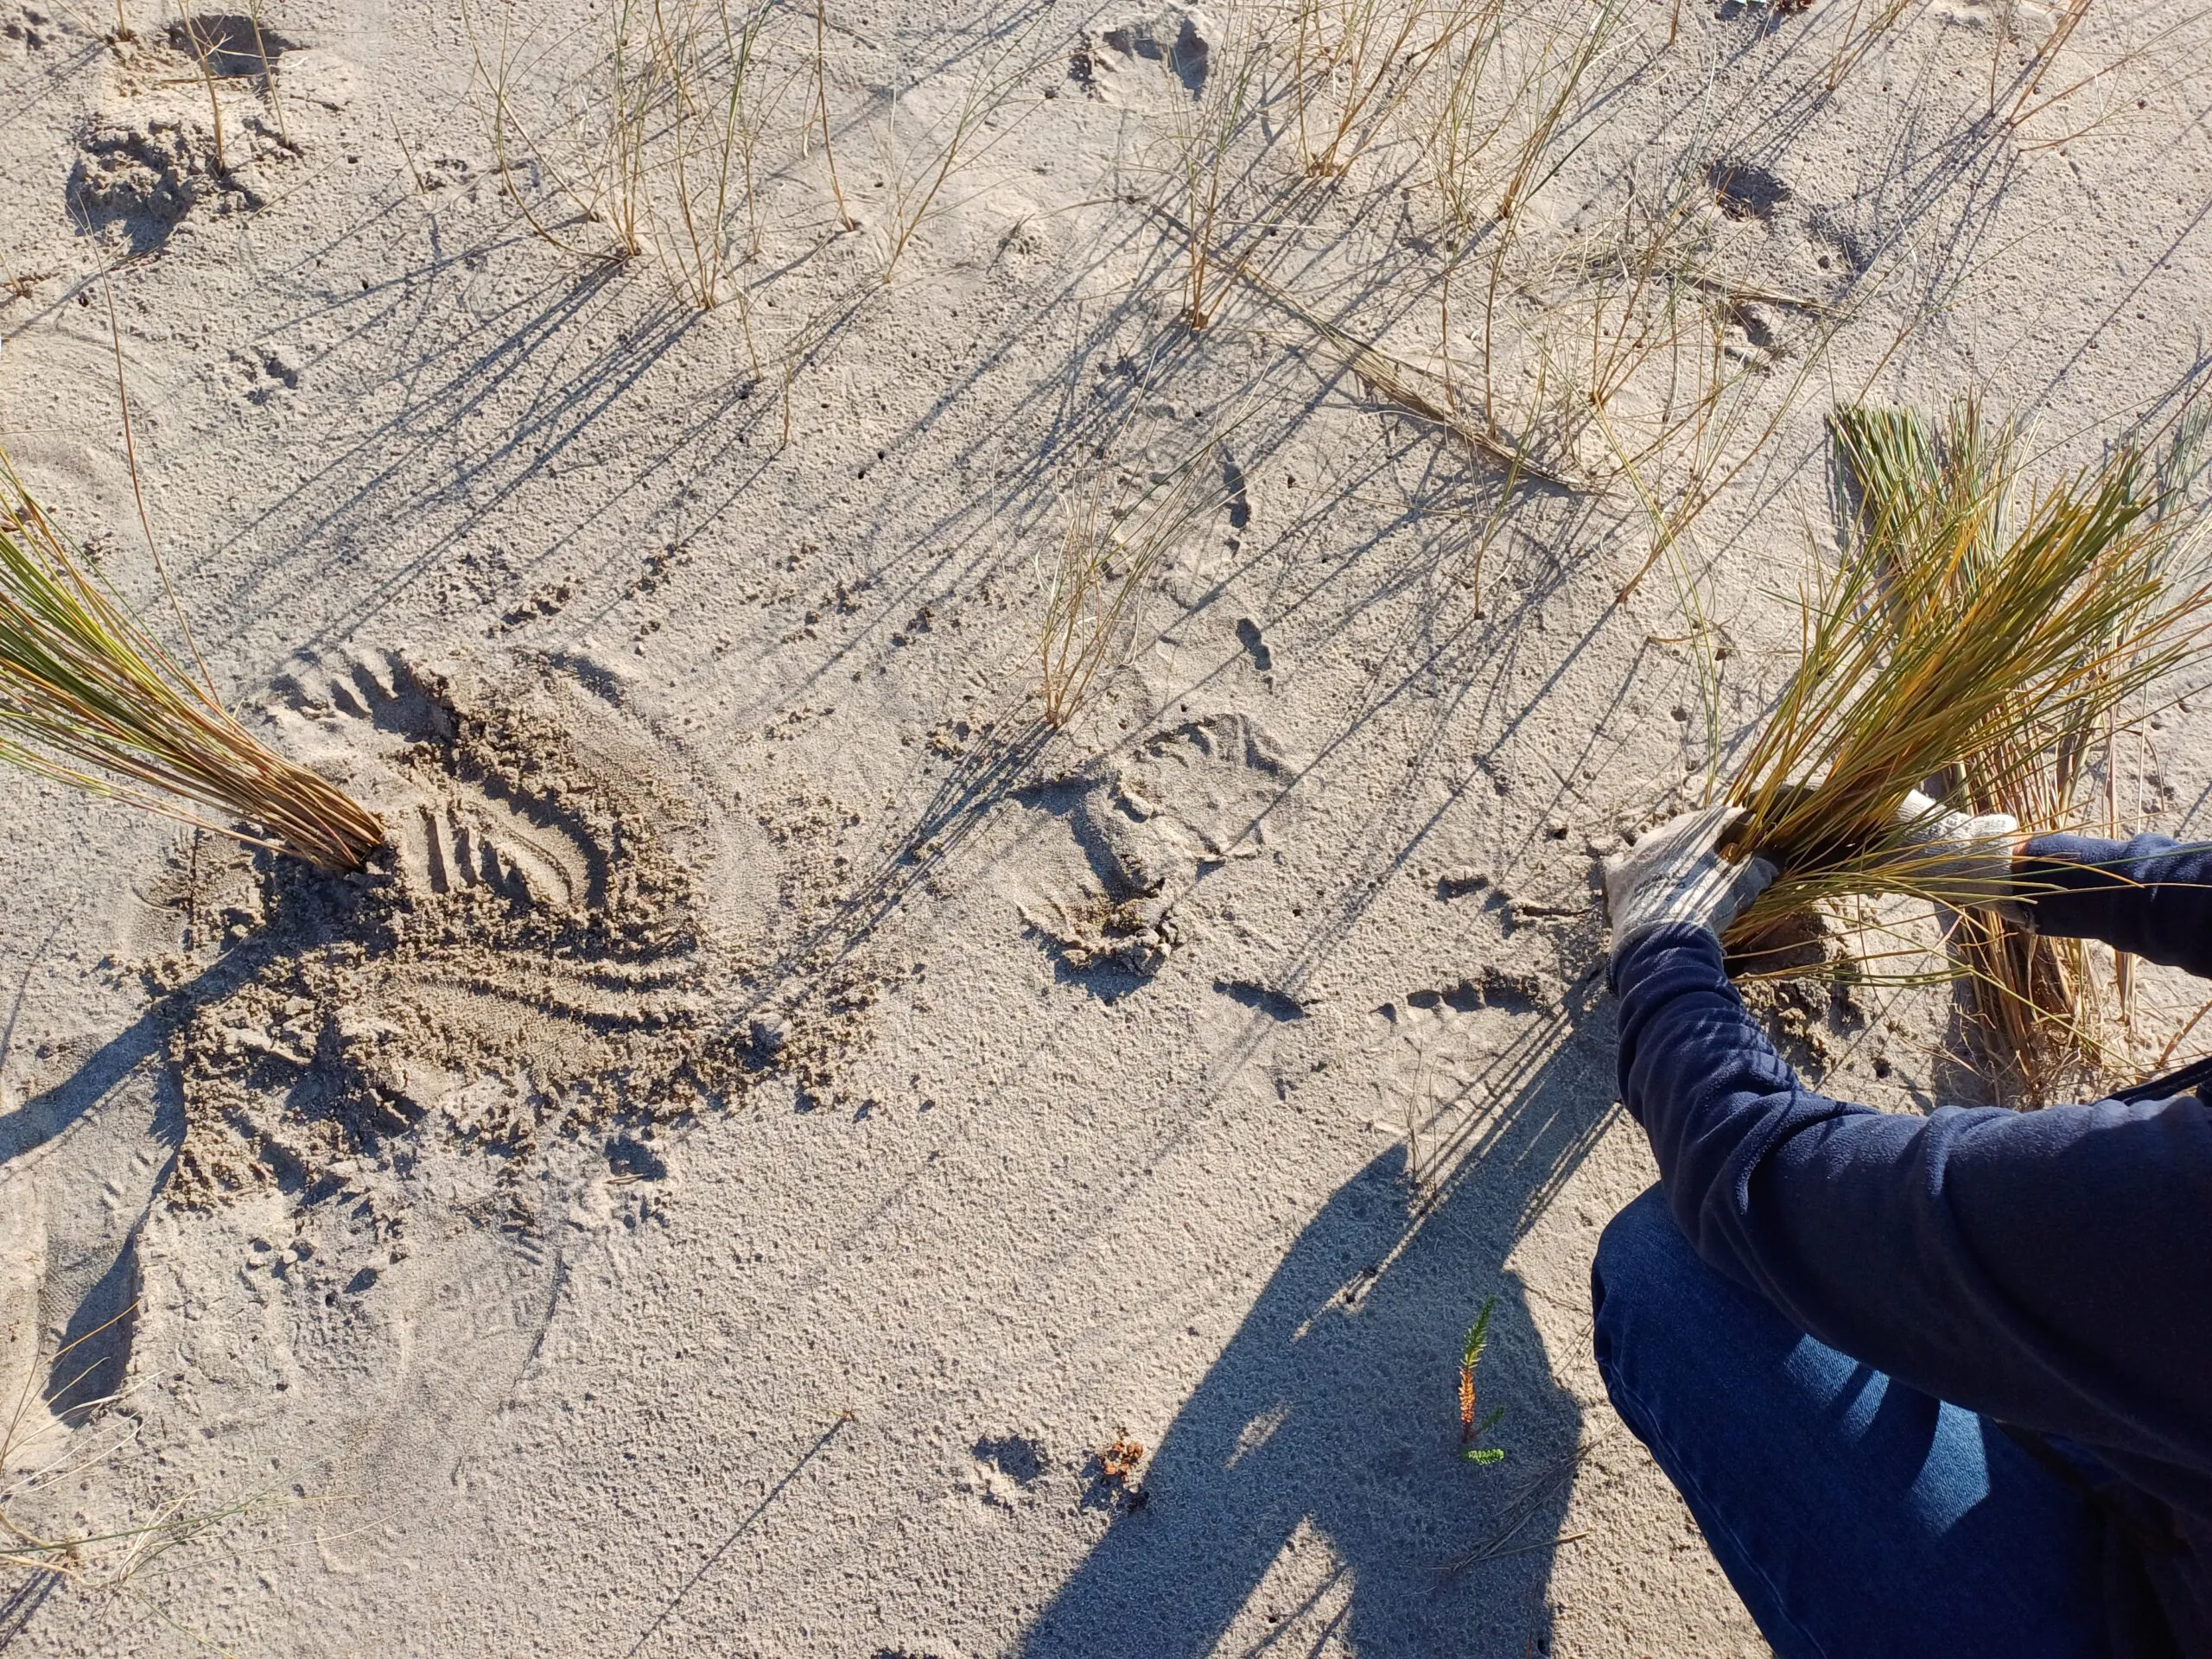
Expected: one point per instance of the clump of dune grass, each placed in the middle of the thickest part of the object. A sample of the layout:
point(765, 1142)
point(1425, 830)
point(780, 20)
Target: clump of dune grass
point(2035, 1013)
point(89, 697)
point(1984, 648)
point(663, 144)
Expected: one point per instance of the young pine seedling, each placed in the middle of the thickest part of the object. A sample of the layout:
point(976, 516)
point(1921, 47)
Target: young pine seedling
point(1471, 1430)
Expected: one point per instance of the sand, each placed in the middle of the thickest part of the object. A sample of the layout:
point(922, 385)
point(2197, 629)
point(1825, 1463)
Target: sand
point(781, 1116)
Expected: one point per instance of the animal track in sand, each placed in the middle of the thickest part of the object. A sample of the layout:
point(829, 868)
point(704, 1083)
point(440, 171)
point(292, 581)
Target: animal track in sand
point(1745, 190)
point(1194, 795)
point(1144, 58)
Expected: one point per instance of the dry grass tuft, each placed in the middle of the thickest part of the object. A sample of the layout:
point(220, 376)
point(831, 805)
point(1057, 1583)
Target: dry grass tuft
point(662, 141)
point(89, 697)
point(1355, 62)
point(1110, 550)
point(976, 126)
point(1204, 135)
point(41, 1459)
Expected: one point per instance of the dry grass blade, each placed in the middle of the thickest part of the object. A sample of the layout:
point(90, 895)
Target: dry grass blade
point(2045, 56)
point(1955, 644)
point(661, 116)
point(709, 142)
point(1370, 52)
point(1863, 31)
point(1108, 552)
point(1400, 384)
point(40, 1453)
point(1551, 92)
point(975, 128)
point(202, 53)
point(1204, 135)
point(497, 77)
point(89, 697)
point(1464, 127)
point(845, 219)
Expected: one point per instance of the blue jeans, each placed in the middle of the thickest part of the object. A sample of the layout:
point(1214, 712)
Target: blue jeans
point(1854, 1515)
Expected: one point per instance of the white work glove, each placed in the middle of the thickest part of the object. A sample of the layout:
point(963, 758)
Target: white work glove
point(1959, 859)
point(1677, 873)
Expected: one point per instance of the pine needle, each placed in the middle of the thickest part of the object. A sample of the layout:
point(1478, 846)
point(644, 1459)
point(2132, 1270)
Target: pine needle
point(90, 698)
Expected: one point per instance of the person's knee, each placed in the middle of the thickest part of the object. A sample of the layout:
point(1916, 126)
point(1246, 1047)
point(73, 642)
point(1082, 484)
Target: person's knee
point(1638, 1246)
point(1642, 1261)
point(1661, 1313)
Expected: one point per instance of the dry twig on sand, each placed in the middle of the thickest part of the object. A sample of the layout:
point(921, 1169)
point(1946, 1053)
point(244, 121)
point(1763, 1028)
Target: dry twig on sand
point(1401, 384)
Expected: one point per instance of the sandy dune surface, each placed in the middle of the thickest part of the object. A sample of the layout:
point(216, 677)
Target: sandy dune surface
point(791, 1153)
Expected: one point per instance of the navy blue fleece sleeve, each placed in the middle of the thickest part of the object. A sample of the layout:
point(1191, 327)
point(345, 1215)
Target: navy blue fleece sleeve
point(2150, 895)
point(2047, 1267)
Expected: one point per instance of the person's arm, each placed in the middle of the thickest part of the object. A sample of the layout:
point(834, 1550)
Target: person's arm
point(2046, 1267)
point(2151, 896)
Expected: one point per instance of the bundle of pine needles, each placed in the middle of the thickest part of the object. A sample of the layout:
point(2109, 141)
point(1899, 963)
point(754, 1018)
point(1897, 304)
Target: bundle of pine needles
point(89, 697)
point(1983, 653)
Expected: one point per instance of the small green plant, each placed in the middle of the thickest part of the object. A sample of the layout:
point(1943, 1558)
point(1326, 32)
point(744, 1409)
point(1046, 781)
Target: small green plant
point(90, 698)
point(1471, 1431)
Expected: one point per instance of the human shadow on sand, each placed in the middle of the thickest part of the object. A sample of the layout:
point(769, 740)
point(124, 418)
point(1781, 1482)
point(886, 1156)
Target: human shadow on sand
point(1310, 1495)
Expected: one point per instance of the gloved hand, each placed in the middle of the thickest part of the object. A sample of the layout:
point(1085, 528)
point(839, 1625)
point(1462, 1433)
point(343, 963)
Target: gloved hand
point(1677, 873)
point(1959, 858)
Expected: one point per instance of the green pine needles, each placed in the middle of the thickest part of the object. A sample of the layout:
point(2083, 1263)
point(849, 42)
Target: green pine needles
point(89, 697)
point(1984, 644)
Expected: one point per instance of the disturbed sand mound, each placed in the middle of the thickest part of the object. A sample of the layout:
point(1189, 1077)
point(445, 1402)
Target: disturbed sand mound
point(397, 1106)
point(534, 954)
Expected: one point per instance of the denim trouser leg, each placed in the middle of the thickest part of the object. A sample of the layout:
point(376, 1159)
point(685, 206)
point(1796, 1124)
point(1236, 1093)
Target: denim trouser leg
point(1857, 1518)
